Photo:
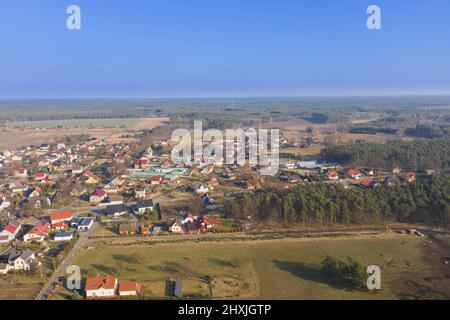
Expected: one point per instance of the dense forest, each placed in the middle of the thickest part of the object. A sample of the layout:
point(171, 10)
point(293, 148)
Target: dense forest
point(426, 201)
point(415, 155)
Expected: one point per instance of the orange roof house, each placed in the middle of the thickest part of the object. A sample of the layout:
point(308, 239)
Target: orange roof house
point(101, 287)
point(60, 217)
point(129, 288)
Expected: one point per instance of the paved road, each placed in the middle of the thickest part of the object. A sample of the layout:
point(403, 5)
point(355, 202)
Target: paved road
point(61, 270)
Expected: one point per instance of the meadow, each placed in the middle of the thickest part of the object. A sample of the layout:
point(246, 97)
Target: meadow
point(273, 269)
point(76, 123)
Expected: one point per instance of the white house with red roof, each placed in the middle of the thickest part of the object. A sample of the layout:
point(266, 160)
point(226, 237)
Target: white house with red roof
point(101, 287)
point(21, 173)
point(98, 196)
point(40, 176)
point(9, 233)
point(127, 288)
point(332, 175)
point(60, 220)
point(38, 232)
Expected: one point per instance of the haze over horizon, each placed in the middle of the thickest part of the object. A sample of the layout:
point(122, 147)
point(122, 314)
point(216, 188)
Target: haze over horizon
point(204, 49)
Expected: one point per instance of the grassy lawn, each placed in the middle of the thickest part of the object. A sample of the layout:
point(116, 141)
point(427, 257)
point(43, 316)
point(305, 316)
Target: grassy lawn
point(109, 230)
point(19, 287)
point(279, 269)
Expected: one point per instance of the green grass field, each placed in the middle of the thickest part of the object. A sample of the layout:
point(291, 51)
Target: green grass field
point(76, 123)
point(278, 269)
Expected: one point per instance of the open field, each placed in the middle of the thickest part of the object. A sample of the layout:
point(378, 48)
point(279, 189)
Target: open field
point(301, 152)
point(130, 123)
point(76, 123)
point(33, 133)
point(412, 267)
point(19, 287)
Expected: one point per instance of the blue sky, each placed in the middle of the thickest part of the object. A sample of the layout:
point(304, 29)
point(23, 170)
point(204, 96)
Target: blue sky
point(183, 48)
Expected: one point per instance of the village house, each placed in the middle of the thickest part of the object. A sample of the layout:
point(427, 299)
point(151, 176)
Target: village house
point(128, 229)
point(82, 224)
point(410, 177)
point(129, 288)
point(253, 184)
point(116, 210)
point(12, 259)
point(10, 232)
point(40, 176)
point(176, 227)
point(115, 199)
point(142, 206)
point(63, 236)
point(101, 287)
point(25, 261)
point(57, 217)
point(213, 182)
point(21, 173)
point(140, 193)
point(38, 232)
point(97, 196)
point(354, 173)
point(332, 175)
point(155, 181)
point(200, 188)
point(60, 220)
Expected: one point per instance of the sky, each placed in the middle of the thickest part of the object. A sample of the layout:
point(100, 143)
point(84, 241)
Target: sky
point(207, 48)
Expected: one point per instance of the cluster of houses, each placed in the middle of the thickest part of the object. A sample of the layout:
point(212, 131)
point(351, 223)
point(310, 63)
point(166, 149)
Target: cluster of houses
point(189, 224)
point(118, 210)
point(110, 287)
point(58, 224)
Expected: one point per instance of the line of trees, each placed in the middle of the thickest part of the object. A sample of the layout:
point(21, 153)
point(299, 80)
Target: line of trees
point(415, 155)
point(426, 201)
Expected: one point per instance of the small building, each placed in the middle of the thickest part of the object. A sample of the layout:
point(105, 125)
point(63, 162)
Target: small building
point(332, 175)
point(176, 227)
point(410, 177)
point(128, 229)
point(63, 236)
point(129, 288)
point(140, 193)
point(354, 173)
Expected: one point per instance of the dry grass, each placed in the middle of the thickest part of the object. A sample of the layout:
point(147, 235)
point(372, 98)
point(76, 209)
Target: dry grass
point(273, 269)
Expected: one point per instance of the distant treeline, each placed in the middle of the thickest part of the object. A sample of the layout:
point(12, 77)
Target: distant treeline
point(426, 201)
point(372, 130)
point(429, 131)
point(418, 155)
